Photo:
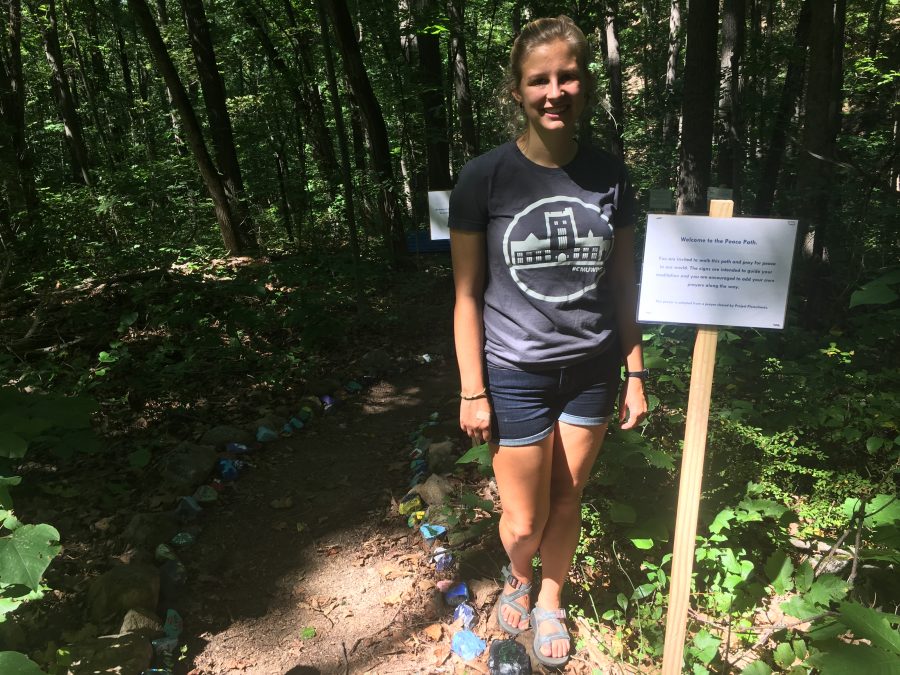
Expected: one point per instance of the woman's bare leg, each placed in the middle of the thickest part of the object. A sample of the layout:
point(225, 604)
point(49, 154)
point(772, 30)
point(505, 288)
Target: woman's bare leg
point(523, 480)
point(574, 450)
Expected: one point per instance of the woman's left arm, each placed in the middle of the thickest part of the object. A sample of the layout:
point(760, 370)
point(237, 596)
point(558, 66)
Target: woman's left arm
point(632, 402)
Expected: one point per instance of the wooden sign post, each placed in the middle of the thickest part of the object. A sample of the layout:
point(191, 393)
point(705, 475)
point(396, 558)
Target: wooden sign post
point(691, 481)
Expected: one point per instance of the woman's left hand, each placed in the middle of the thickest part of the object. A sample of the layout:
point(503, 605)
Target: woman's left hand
point(632, 403)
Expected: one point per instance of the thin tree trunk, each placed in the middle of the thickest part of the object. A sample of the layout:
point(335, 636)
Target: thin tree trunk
point(300, 92)
point(217, 111)
point(346, 175)
point(12, 119)
point(467, 131)
point(379, 147)
point(790, 92)
point(63, 93)
point(730, 131)
point(230, 229)
point(437, 138)
point(670, 123)
point(698, 108)
point(614, 72)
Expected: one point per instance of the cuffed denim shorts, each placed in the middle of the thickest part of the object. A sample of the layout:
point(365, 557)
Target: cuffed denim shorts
point(527, 404)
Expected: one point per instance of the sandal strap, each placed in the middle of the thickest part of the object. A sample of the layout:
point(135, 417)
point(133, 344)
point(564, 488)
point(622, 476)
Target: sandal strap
point(510, 579)
point(553, 616)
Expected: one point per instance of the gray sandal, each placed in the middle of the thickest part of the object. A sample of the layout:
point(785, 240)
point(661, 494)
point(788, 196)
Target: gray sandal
point(555, 617)
point(509, 600)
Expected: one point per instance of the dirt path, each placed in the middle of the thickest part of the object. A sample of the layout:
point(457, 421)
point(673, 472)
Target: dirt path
point(335, 562)
point(335, 582)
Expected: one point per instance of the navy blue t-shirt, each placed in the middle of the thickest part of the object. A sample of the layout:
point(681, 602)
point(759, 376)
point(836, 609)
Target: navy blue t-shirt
point(549, 235)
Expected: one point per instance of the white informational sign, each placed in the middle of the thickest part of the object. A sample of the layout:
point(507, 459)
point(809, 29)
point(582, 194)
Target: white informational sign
point(439, 211)
point(716, 271)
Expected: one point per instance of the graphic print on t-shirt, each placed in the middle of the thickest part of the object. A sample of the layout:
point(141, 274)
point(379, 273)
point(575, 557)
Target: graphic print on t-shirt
point(556, 248)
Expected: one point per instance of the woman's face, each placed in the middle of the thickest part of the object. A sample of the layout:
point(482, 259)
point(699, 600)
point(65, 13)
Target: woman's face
point(551, 89)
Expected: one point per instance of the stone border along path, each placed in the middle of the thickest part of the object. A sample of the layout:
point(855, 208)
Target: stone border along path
point(308, 566)
point(362, 590)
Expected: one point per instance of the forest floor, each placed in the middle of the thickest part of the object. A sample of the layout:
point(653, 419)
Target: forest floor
point(354, 590)
point(303, 564)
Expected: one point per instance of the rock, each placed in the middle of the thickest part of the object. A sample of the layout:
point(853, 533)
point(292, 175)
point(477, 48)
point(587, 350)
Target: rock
point(147, 530)
point(188, 465)
point(434, 490)
point(141, 621)
point(122, 588)
point(376, 362)
point(222, 434)
point(129, 653)
point(442, 457)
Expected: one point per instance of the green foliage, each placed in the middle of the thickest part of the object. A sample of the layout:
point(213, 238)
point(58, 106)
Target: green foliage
point(14, 663)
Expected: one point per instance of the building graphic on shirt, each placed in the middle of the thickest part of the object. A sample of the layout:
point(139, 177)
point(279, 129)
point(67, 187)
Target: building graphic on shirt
point(562, 245)
point(556, 247)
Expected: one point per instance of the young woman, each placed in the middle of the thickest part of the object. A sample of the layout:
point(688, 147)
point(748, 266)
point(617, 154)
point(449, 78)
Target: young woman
point(542, 248)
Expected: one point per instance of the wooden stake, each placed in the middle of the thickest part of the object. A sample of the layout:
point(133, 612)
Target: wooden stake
point(691, 482)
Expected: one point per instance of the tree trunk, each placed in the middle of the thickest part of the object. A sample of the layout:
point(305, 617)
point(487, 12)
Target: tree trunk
point(346, 175)
point(379, 147)
point(230, 229)
point(217, 111)
point(670, 123)
point(63, 93)
point(614, 72)
point(698, 108)
point(20, 186)
point(301, 93)
point(437, 137)
point(731, 151)
point(459, 64)
point(790, 92)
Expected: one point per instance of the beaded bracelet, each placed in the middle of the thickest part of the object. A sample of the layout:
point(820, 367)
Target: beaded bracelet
point(474, 397)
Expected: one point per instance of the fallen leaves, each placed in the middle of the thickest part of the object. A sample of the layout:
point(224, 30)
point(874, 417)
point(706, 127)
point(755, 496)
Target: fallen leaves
point(284, 503)
point(433, 632)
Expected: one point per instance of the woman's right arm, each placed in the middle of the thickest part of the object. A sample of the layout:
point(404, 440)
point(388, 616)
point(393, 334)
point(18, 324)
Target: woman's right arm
point(469, 255)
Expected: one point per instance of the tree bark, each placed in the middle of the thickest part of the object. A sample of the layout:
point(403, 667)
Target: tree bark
point(379, 147)
point(670, 122)
point(63, 94)
point(730, 145)
point(467, 131)
point(217, 111)
point(301, 93)
point(232, 235)
point(698, 107)
point(19, 172)
point(614, 72)
point(790, 92)
point(346, 174)
point(431, 87)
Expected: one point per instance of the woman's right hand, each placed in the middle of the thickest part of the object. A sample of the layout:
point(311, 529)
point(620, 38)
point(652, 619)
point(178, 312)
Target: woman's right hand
point(475, 420)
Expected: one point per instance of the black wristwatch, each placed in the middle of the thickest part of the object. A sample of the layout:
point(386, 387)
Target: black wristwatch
point(640, 374)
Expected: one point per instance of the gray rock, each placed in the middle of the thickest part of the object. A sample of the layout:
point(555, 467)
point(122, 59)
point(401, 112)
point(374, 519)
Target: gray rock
point(122, 588)
point(188, 465)
point(147, 530)
point(434, 490)
point(442, 457)
point(141, 621)
point(222, 434)
point(126, 654)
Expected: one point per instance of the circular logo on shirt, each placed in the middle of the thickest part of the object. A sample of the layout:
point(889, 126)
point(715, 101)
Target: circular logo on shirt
point(556, 248)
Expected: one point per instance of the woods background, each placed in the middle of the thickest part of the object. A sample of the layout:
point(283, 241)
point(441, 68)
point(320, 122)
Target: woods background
point(125, 127)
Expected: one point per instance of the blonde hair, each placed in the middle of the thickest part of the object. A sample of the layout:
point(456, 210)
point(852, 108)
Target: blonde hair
point(540, 32)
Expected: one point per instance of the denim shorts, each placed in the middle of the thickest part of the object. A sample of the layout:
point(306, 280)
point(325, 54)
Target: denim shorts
point(527, 404)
